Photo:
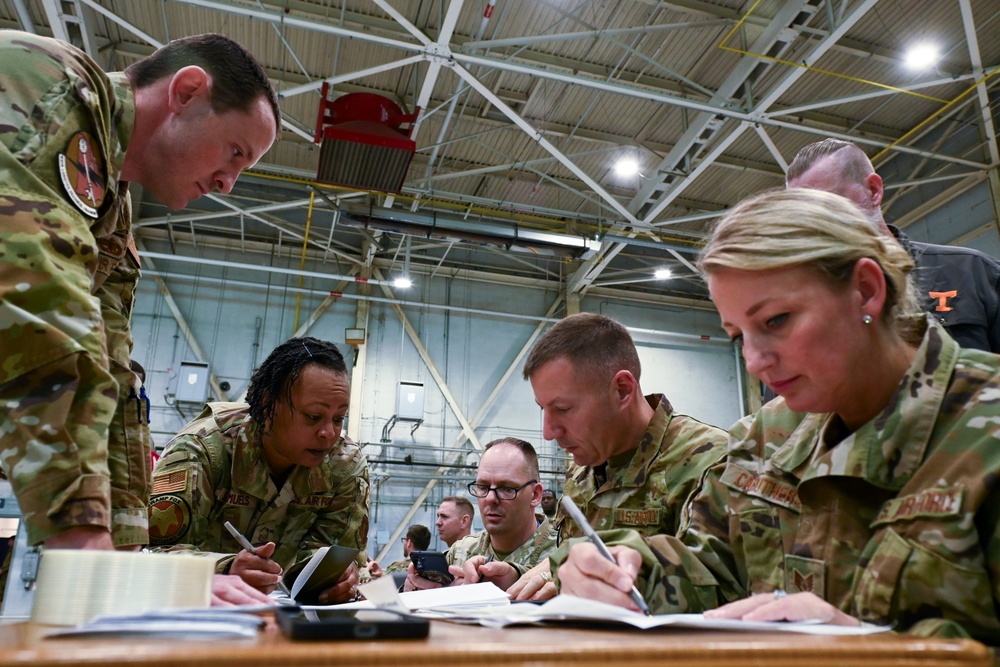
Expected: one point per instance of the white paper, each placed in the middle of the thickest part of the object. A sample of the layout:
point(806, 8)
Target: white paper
point(571, 608)
point(384, 596)
point(188, 624)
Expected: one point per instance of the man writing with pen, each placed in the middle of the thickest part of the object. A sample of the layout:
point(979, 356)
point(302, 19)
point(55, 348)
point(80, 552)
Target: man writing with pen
point(515, 537)
point(276, 468)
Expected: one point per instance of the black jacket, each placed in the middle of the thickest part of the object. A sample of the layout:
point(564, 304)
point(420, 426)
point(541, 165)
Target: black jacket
point(959, 287)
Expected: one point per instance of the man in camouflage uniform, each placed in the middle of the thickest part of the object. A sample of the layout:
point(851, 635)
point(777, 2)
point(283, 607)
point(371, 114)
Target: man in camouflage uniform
point(636, 462)
point(221, 467)
point(897, 525)
point(515, 537)
point(418, 538)
point(72, 435)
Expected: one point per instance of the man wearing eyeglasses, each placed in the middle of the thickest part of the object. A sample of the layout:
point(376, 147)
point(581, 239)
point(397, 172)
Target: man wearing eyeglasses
point(636, 460)
point(418, 538)
point(515, 537)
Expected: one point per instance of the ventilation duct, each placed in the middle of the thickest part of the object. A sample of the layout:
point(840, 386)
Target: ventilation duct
point(363, 143)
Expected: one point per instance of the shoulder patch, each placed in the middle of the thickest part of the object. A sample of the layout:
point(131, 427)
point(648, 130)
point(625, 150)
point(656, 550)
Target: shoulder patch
point(169, 519)
point(172, 482)
point(761, 486)
point(81, 169)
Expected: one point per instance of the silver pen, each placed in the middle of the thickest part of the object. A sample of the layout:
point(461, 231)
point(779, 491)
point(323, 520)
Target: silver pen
point(245, 543)
point(577, 516)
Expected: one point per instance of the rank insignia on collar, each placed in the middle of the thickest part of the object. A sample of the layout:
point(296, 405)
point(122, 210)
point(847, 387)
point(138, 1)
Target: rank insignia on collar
point(81, 169)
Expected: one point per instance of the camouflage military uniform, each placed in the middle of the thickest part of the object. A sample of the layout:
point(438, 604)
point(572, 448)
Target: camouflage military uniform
point(645, 487)
point(398, 566)
point(895, 523)
point(525, 557)
point(214, 471)
point(64, 239)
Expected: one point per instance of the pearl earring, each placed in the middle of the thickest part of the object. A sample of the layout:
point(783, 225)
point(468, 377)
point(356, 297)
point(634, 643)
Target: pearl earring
point(867, 319)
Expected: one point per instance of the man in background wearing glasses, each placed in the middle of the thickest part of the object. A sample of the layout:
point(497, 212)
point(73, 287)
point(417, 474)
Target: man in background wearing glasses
point(418, 538)
point(515, 537)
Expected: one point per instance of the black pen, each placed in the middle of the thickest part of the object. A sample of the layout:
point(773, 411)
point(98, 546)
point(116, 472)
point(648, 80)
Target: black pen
point(577, 516)
point(245, 543)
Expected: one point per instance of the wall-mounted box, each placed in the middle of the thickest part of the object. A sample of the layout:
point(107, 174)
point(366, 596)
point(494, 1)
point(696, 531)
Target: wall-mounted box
point(192, 382)
point(410, 401)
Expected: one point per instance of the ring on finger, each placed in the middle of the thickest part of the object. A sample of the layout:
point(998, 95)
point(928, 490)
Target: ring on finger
point(779, 593)
point(545, 576)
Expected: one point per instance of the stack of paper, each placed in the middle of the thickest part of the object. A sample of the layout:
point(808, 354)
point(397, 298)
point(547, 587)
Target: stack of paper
point(189, 624)
point(75, 586)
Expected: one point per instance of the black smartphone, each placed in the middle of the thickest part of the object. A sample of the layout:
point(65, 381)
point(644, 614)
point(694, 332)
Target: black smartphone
point(433, 566)
point(297, 623)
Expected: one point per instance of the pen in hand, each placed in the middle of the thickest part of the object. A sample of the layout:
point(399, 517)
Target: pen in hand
point(245, 543)
point(577, 516)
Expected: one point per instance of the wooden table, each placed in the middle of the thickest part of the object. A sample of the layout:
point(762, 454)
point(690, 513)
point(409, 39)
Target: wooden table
point(454, 645)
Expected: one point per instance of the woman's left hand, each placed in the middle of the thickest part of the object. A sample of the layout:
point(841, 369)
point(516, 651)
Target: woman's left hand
point(778, 606)
point(345, 590)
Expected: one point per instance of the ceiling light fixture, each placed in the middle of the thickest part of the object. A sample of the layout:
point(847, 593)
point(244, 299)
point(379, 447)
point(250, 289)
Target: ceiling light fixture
point(627, 167)
point(922, 56)
point(403, 281)
point(663, 274)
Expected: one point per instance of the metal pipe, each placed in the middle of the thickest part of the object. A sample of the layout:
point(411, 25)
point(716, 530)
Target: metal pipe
point(302, 259)
point(398, 302)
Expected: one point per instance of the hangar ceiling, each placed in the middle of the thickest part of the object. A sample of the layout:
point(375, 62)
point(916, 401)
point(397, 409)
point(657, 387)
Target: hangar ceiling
point(525, 106)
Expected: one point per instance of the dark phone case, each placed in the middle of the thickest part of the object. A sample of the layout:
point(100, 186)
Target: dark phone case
point(433, 566)
point(295, 625)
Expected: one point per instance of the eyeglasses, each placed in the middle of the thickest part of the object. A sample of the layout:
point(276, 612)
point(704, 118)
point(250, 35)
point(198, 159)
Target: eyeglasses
point(503, 492)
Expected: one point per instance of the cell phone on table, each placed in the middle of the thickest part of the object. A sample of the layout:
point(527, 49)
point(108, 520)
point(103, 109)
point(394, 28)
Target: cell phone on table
point(432, 566)
point(297, 623)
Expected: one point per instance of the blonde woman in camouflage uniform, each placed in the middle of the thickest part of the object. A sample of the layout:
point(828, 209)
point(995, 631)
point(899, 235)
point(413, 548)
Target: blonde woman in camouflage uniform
point(867, 492)
point(276, 467)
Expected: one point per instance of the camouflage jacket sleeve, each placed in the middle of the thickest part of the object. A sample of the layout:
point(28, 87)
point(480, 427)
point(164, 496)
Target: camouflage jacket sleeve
point(182, 501)
point(55, 366)
point(676, 577)
point(128, 435)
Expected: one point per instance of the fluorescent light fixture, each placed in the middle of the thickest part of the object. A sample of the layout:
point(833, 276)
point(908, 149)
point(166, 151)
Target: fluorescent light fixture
point(922, 56)
point(627, 167)
point(402, 283)
point(663, 274)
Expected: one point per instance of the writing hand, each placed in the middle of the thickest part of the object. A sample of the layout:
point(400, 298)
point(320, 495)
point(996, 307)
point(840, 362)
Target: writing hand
point(257, 570)
point(588, 574)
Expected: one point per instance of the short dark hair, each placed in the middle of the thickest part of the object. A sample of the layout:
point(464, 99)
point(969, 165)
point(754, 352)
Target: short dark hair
point(527, 451)
point(855, 165)
point(596, 343)
point(275, 377)
point(463, 504)
point(552, 491)
point(238, 79)
point(420, 536)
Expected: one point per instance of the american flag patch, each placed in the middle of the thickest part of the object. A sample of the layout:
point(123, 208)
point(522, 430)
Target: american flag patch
point(174, 482)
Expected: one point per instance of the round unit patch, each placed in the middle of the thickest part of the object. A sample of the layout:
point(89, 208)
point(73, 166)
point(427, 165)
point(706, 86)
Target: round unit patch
point(169, 519)
point(81, 169)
